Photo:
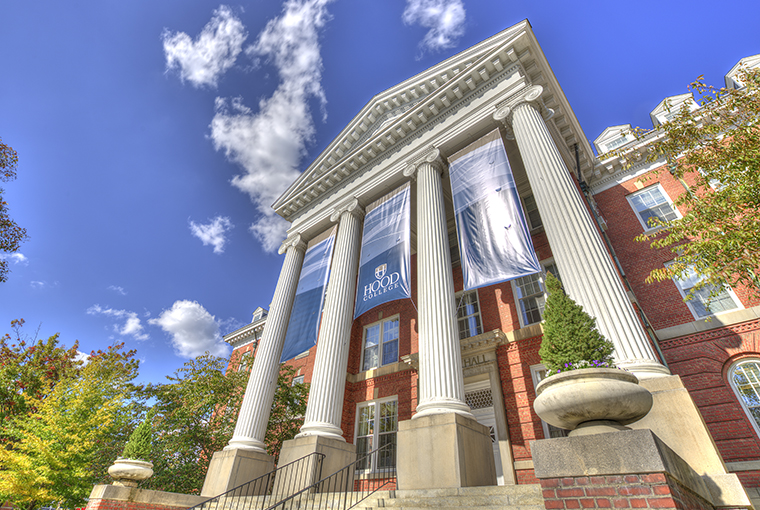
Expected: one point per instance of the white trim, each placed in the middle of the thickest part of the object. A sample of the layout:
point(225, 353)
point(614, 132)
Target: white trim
point(630, 197)
point(376, 428)
point(381, 322)
point(458, 296)
point(690, 303)
point(541, 280)
point(736, 391)
point(536, 376)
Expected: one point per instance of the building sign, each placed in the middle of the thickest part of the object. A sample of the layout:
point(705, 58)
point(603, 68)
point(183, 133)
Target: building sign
point(310, 295)
point(385, 257)
point(494, 240)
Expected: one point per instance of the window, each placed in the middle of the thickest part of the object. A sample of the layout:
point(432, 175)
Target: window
point(744, 377)
point(652, 202)
point(297, 380)
point(530, 294)
point(468, 315)
point(380, 344)
point(245, 361)
point(719, 300)
point(376, 425)
point(538, 372)
point(531, 211)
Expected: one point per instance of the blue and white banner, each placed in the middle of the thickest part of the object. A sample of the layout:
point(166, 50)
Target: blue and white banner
point(385, 258)
point(494, 240)
point(306, 314)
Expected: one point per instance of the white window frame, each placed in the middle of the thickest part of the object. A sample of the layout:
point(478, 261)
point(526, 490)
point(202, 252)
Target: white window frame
point(297, 380)
point(460, 304)
point(527, 212)
point(542, 283)
point(376, 431)
point(648, 189)
point(732, 383)
point(381, 362)
point(535, 374)
point(690, 303)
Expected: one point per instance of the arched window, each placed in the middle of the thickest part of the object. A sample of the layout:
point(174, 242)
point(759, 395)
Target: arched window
point(744, 377)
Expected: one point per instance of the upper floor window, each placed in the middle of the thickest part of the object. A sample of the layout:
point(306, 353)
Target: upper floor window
point(297, 380)
point(530, 294)
point(744, 377)
point(468, 315)
point(531, 211)
point(652, 202)
point(380, 344)
point(707, 300)
point(376, 426)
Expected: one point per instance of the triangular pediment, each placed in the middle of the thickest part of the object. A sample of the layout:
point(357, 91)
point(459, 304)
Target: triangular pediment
point(399, 112)
point(613, 137)
point(670, 106)
point(732, 78)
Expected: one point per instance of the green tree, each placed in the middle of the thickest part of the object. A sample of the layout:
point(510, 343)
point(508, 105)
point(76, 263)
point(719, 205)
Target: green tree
point(715, 153)
point(571, 340)
point(11, 235)
point(140, 444)
point(288, 411)
point(55, 451)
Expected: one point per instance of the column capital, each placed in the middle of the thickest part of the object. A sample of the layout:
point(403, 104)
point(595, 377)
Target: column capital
point(432, 157)
point(531, 95)
point(351, 207)
point(296, 241)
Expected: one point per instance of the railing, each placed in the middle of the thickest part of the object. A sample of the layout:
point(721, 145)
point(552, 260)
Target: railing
point(347, 487)
point(267, 490)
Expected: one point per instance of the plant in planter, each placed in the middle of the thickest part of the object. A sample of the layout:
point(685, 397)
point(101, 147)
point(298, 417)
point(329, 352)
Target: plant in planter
point(584, 393)
point(134, 465)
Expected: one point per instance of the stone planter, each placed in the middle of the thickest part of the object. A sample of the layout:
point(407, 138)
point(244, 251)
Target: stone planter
point(592, 400)
point(128, 472)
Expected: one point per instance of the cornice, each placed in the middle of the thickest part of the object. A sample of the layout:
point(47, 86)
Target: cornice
point(487, 341)
point(246, 333)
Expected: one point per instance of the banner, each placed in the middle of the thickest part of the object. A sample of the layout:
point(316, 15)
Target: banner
point(384, 263)
point(305, 316)
point(494, 240)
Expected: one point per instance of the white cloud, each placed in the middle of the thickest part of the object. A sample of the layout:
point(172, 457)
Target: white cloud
point(444, 18)
point(131, 325)
point(213, 52)
point(117, 289)
point(270, 143)
point(212, 233)
point(83, 357)
point(16, 258)
point(193, 330)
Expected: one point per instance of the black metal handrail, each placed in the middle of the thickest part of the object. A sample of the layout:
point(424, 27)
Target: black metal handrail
point(263, 491)
point(349, 486)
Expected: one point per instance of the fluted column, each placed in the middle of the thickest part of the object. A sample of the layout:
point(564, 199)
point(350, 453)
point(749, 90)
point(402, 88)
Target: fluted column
point(441, 383)
point(324, 410)
point(257, 403)
point(588, 274)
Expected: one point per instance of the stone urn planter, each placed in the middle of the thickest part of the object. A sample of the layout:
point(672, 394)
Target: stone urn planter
point(592, 400)
point(128, 472)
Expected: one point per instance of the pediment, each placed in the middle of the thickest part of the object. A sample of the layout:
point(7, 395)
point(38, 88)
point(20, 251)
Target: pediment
point(397, 114)
point(613, 137)
point(732, 80)
point(670, 106)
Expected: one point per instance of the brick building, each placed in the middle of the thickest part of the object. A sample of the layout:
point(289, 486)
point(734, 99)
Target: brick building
point(377, 360)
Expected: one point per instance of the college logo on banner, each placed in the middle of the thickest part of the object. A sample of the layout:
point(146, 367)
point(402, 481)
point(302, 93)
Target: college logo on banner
point(494, 239)
point(307, 305)
point(385, 257)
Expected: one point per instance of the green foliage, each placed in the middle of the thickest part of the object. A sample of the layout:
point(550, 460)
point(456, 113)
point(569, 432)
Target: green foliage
point(11, 235)
point(719, 234)
point(53, 452)
point(140, 443)
point(571, 340)
point(288, 411)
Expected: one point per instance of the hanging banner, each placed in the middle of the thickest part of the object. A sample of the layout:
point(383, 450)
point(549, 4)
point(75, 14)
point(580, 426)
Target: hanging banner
point(385, 257)
point(305, 316)
point(494, 240)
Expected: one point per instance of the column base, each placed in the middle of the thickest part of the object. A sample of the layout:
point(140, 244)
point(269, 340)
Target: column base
point(444, 451)
point(230, 468)
point(442, 406)
point(338, 454)
point(644, 368)
point(321, 429)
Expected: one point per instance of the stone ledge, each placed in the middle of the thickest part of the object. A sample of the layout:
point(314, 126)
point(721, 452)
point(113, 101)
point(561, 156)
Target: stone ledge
point(712, 322)
point(142, 497)
point(749, 465)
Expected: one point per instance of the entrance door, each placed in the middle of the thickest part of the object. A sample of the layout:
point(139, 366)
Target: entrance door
point(479, 398)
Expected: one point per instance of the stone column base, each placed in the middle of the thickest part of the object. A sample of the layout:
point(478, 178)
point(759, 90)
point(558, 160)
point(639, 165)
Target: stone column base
point(444, 451)
point(114, 497)
point(627, 469)
point(338, 454)
point(231, 468)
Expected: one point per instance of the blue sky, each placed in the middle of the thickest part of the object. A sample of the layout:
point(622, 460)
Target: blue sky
point(153, 136)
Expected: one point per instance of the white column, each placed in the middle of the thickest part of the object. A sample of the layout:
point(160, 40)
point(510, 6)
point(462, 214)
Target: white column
point(257, 403)
point(324, 411)
point(441, 383)
point(587, 271)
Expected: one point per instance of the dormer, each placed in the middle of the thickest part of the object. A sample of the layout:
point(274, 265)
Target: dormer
point(732, 78)
point(613, 137)
point(671, 106)
point(258, 314)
